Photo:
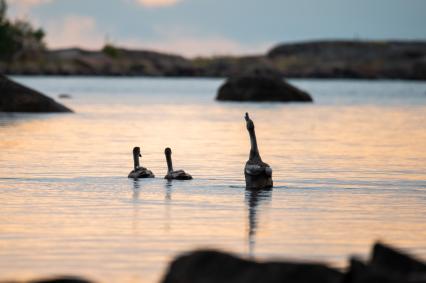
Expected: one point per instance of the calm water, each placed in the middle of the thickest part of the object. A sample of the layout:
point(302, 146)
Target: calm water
point(348, 170)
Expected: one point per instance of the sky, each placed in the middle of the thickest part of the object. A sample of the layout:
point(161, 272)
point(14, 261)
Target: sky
point(218, 27)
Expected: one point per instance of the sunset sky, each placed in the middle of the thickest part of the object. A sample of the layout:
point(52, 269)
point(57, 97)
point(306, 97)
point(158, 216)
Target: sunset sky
point(213, 27)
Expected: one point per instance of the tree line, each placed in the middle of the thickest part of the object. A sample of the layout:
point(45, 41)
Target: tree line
point(18, 38)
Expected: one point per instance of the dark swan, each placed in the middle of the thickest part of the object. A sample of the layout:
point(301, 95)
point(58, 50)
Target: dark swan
point(138, 171)
point(171, 174)
point(258, 174)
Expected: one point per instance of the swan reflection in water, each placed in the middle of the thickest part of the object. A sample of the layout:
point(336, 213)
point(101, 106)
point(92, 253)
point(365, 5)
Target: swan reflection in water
point(168, 186)
point(135, 198)
point(255, 199)
point(136, 190)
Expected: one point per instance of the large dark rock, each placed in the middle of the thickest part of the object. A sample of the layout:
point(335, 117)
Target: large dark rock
point(217, 267)
point(387, 265)
point(15, 97)
point(61, 279)
point(65, 279)
point(261, 88)
point(384, 257)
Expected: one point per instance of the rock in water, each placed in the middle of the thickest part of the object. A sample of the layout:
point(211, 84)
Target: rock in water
point(15, 97)
point(261, 88)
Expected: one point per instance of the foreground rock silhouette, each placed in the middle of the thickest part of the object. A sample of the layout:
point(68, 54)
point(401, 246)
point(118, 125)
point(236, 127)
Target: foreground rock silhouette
point(385, 265)
point(61, 280)
point(260, 88)
point(15, 97)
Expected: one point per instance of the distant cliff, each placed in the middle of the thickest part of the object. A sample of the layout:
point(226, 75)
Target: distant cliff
point(317, 59)
point(116, 62)
point(352, 59)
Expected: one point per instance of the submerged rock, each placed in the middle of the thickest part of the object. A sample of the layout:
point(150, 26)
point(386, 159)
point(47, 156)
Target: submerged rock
point(64, 96)
point(261, 87)
point(15, 97)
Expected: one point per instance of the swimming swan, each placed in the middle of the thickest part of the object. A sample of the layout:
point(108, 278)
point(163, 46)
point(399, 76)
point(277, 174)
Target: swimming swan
point(258, 174)
point(171, 174)
point(138, 171)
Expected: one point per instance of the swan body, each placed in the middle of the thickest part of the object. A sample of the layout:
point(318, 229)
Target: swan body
point(139, 171)
point(258, 174)
point(172, 174)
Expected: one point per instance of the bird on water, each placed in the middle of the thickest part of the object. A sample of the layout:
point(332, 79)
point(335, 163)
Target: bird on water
point(138, 171)
point(258, 174)
point(171, 174)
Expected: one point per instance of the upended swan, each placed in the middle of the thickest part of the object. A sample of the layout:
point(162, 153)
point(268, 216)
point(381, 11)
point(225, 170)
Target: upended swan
point(138, 171)
point(258, 174)
point(171, 174)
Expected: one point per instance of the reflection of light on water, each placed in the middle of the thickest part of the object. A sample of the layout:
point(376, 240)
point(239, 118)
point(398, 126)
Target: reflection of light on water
point(345, 175)
point(254, 199)
point(167, 200)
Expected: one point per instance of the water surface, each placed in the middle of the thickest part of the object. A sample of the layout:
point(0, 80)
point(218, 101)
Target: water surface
point(349, 169)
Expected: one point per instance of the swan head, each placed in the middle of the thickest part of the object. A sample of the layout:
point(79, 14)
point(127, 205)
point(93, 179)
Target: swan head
point(250, 124)
point(137, 151)
point(167, 151)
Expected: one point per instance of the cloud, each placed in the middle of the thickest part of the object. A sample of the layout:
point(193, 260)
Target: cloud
point(74, 30)
point(190, 42)
point(157, 3)
point(22, 7)
point(28, 2)
point(82, 31)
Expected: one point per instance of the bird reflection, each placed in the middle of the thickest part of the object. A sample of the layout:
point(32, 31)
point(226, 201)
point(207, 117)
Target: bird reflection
point(168, 197)
point(168, 187)
point(255, 198)
point(136, 190)
point(135, 197)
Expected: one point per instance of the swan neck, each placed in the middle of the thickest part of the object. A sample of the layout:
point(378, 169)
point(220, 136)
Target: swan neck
point(136, 164)
point(254, 151)
point(169, 162)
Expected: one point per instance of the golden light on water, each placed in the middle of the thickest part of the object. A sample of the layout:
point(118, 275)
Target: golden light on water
point(345, 176)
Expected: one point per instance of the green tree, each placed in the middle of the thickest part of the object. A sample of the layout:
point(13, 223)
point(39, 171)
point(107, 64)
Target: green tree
point(18, 37)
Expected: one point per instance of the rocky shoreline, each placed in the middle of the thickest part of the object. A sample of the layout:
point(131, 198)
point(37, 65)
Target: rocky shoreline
point(317, 59)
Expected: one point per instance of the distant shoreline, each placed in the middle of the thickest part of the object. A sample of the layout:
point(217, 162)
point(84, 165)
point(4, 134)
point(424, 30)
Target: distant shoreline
point(402, 60)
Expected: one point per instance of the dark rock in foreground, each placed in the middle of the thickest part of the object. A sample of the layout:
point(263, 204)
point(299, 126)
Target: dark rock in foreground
point(62, 279)
point(67, 279)
point(15, 97)
point(387, 265)
point(261, 88)
point(212, 267)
